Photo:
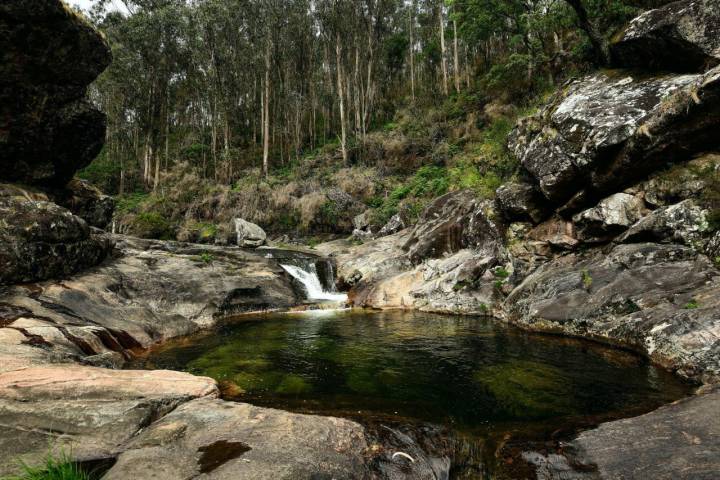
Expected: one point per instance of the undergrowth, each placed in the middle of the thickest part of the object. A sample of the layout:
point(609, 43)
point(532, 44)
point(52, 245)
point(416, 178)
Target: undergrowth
point(54, 468)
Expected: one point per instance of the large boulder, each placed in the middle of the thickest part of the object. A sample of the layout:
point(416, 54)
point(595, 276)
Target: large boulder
point(149, 291)
point(606, 131)
point(48, 130)
point(684, 222)
point(394, 225)
point(86, 201)
point(450, 223)
point(680, 36)
point(661, 300)
point(249, 235)
point(85, 412)
point(41, 240)
point(608, 218)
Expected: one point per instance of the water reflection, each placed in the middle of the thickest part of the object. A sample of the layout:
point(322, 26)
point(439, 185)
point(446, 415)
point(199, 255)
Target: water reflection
point(467, 373)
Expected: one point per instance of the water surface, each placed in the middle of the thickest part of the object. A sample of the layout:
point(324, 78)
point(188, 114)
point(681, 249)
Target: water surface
point(465, 373)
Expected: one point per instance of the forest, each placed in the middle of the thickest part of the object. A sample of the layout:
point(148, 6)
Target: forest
point(324, 108)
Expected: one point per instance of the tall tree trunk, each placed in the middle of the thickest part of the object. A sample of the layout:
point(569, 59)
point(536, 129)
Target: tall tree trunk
point(456, 57)
point(266, 126)
point(341, 96)
point(598, 42)
point(441, 16)
point(412, 50)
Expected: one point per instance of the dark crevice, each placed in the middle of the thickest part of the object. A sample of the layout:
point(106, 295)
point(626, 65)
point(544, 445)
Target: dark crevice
point(220, 452)
point(84, 346)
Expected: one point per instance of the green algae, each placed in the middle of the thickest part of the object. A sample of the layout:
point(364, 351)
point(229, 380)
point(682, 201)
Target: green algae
point(527, 389)
point(465, 372)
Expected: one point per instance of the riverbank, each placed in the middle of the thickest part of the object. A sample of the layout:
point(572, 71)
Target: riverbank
point(147, 420)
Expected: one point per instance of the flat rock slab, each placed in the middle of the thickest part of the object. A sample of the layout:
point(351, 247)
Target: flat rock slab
point(62, 382)
point(87, 412)
point(676, 442)
point(150, 291)
point(212, 439)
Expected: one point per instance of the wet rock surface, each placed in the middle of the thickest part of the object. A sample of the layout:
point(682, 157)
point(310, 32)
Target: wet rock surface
point(658, 299)
point(678, 441)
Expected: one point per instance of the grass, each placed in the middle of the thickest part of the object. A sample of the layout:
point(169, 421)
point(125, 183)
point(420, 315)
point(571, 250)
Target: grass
point(587, 280)
point(692, 305)
point(206, 257)
point(55, 468)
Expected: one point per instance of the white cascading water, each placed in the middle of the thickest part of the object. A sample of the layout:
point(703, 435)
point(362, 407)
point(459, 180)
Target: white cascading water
point(312, 284)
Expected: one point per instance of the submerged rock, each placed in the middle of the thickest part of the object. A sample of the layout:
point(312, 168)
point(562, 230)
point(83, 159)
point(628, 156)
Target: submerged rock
point(249, 235)
point(680, 36)
point(49, 129)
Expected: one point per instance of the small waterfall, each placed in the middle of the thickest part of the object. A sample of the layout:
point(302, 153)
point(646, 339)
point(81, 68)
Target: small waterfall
point(308, 276)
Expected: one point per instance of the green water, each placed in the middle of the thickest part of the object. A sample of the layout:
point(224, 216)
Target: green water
point(468, 374)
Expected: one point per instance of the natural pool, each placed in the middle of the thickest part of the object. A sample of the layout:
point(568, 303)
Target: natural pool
point(469, 374)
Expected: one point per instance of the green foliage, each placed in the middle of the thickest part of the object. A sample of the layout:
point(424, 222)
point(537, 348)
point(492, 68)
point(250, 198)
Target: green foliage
point(329, 213)
point(711, 196)
point(103, 172)
point(587, 279)
point(206, 257)
point(468, 176)
point(500, 272)
point(55, 468)
point(130, 202)
point(152, 225)
point(692, 305)
point(429, 181)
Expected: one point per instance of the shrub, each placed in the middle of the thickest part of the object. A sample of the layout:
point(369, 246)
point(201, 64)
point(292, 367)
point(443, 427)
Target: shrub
point(130, 202)
point(207, 257)
point(152, 225)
